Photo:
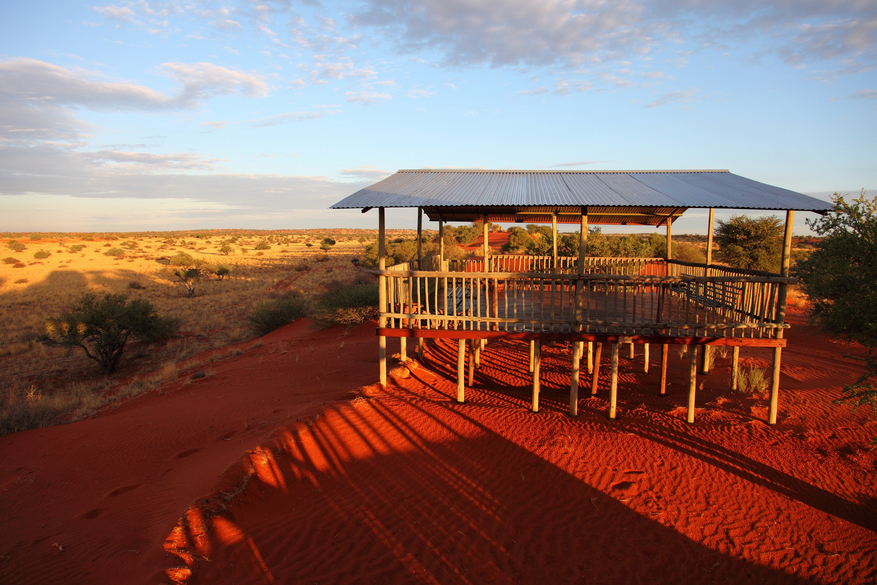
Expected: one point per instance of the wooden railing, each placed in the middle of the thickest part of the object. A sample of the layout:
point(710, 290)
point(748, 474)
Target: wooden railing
point(626, 304)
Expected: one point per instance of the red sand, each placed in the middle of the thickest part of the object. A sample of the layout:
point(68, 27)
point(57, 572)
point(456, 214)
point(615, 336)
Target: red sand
point(404, 485)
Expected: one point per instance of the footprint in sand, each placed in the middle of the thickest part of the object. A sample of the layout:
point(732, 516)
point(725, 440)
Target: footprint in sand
point(623, 486)
point(92, 514)
point(188, 452)
point(123, 490)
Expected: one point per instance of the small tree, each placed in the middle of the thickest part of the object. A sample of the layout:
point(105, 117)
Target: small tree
point(226, 248)
point(754, 244)
point(187, 271)
point(222, 271)
point(327, 244)
point(102, 326)
point(840, 277)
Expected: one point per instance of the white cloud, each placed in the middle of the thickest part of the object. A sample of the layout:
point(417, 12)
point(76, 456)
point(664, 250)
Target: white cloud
point(420, 93)
point(366, 97)
point(865, 94)
point(567, 33)
point(366, 173)
point(684, 96)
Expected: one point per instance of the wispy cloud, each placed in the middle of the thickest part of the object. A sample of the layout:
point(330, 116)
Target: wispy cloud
point(684, 96)
point(865, 94)
point(366, 97)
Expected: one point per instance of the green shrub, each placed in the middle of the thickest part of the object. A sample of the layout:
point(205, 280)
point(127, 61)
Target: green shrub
point(101, 327)
point(222, 271)
point(15, 246)
point(9, 260)
point(117, 252)
point(263, 245)
point(348, 305)
point(42, 255)
point(76, 248)
point(752, 381)
point(277, 312)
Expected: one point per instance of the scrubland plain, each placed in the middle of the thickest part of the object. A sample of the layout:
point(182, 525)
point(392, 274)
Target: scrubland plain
point(42, 274)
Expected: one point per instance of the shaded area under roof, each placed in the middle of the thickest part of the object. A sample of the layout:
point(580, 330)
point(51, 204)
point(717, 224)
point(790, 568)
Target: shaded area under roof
point(611, 197)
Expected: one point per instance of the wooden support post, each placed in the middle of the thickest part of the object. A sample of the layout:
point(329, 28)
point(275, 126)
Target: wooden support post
point(461, 358)
point(735, 367)
point(705, 361)
point(590, 357)
point(441, 245)
point(709, 239)
point(532, 354)
point(420, 238)
point(485, 248)
point(613, 382)
point(420, 348)
point(665, 350)
point(774, 387)
point(403, 349)
point(554, 242)
point(645, 358)
point(471, 362)
point(577, 349)
point(595, 377)
point(477, 347)
point(670, 238)
point(632, 351)
point(382, 297)
point(536, 368)
point(692, 381)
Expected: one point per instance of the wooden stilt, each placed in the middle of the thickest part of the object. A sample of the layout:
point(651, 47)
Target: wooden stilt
point(595, 377)
point(665, 351)
point(472, 354)
point(590, 357)
point(478, 353)
point(692, 381)
point(537, 361)
point(632, 351)
point(461, 357)
point(382, 359)
point(577, 349)
point(645, 358)
point(774, 387)
point(613, 382)
point(735, 367)
point(382, 297)
point(420, 348)
point(403, 348)
point(704, 360)
point(532, 351)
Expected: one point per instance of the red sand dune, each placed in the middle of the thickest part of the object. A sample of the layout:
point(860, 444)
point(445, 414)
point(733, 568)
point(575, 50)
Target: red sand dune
point(405, 485)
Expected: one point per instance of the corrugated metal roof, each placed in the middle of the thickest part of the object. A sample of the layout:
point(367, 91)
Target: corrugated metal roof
point(644, 196)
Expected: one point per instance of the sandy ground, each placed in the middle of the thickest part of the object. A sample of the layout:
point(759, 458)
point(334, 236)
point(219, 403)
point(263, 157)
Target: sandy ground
point(287, 465)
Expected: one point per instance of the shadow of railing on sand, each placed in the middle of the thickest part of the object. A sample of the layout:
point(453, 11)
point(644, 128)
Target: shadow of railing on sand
point(407, 488)
point(668, 431)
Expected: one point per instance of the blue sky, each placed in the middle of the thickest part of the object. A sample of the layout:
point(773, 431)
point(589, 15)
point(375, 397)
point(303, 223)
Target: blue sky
point(163, 115)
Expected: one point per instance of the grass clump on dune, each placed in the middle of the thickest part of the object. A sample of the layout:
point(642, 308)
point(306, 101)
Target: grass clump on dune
point(277, 312)
point(348, 304)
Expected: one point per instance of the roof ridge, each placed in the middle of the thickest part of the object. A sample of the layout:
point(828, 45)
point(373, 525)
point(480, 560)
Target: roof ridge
point(574, 171)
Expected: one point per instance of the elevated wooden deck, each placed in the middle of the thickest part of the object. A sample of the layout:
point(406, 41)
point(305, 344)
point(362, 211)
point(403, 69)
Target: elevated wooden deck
point(601, 300)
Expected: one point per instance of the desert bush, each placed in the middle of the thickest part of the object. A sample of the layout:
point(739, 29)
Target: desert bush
point(42, 255)
point(222, 271)
point(22, 281)
point(117, 252)
point(263, 245)
point(101, 327)
point(327, 244)
point(277, 312)
point(840, 277)
point(348, 305)
point(752, 380)
point(226, 248)
point(9, 260)
point(76, 248)
point(751, 243)
point(687, 252)
point(19, 265)
point(15, 246)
